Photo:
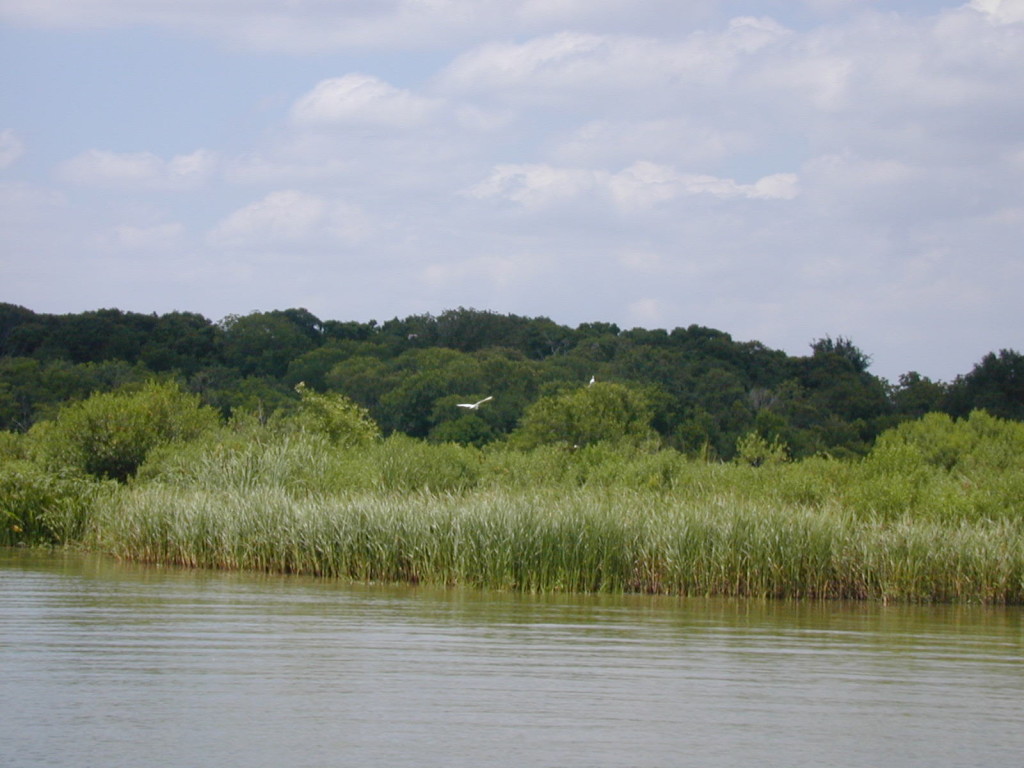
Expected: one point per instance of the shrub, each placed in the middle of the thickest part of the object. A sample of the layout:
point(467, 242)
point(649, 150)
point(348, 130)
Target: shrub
point(604, 412)
point(755, 450)
point(343, 421)
point(402, 463)
point(38, 507)
point(109, 435)
point(12, 446)
point(980, 442)
point(943, 469)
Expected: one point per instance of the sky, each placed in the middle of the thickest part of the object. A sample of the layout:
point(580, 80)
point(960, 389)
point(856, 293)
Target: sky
point(781, 170)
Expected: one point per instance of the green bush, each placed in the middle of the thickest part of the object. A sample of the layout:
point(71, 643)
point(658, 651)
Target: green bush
point(978, 443)
point(402, 463)
point(753, 449)
point(12, 446)
point(39, 507)
point(343, 421)
point(109, 435)
point(603, 412)
point(943, 469)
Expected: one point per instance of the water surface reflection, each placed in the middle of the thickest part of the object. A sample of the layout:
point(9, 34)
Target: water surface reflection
point(113, 665)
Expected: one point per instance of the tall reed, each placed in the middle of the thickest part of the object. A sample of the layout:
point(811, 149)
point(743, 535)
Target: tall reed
point(898, 526)
point(581, 541)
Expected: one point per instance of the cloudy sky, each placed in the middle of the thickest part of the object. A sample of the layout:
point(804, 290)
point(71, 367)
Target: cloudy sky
point(778, 169)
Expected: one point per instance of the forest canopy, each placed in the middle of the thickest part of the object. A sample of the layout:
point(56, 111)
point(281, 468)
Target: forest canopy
point(695, 389)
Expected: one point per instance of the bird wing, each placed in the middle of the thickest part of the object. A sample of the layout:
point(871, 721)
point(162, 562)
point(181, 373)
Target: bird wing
point(477, 404)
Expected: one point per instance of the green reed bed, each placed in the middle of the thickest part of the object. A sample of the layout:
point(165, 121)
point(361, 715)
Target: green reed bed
point(935, 513)
point(580, 540)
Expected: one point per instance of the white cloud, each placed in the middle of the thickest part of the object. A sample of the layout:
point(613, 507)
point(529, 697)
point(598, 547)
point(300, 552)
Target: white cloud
point(777, 186)
point(684, 139)
point(1000, 11)
point(644, 184)
point(641, 185)
point(573, 64)
point(357, 99)
point(290, 218)
point(102, 168)
point(11, 149)
point(160, 237)
point(641, 260)
point(536, 186)
point(305, 26)
point(649, 312)
point(497, 271)
point(28, 205)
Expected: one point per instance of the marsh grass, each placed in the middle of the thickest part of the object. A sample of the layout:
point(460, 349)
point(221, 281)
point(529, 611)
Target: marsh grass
point(39, 507)
point(711, 531)
point(909, 523)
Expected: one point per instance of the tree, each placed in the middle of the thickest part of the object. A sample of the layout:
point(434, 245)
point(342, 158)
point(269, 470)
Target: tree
point(996, 384)
point(263, 343)
point(181, 341)
point(110, 434)
point(15, 339)
point(854, 405)
point(468, 429)
point(605, 411)
point(916, 395)
point(363, 378)
point(755, 450)
point(341, 420)
point(843, 348)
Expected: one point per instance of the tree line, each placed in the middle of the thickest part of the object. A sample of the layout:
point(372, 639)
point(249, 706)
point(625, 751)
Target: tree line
point(695, 389)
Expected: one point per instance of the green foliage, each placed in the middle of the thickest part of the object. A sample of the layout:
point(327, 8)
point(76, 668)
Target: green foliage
point(843, 349)
point(31, 390)
point(336, 416)
point(996, 384)
point(110, 434)
point(756, 451)
point(467, 429)
point(403, 464)
point(704, 389)
point(584, 539)
point(12, 446)
point(946, 469)
point(916, 395)
point(904, 524)
point(40, 507)
point(980, 443)
point(264, 343)
point(587, 415)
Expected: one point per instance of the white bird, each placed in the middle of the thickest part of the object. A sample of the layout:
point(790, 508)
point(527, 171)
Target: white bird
point(592, 380)
point(477, 404)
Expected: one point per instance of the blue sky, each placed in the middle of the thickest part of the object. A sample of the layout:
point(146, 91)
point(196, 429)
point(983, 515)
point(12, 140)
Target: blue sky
point(778, 170)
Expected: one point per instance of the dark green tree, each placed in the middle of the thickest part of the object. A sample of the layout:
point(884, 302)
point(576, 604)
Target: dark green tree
point(264, 343)
point(844, 348)
point(181, 341)
point(110, 434)
point(916, 395)
point(587, 415)
point(996, 384)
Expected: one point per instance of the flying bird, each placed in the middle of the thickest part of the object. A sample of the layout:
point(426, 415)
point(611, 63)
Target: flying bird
point(477, 404)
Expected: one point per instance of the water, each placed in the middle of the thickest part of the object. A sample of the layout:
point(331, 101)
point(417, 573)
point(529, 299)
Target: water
point(110, 665)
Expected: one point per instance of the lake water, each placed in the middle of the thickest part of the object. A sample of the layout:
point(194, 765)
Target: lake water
point(104, 664)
